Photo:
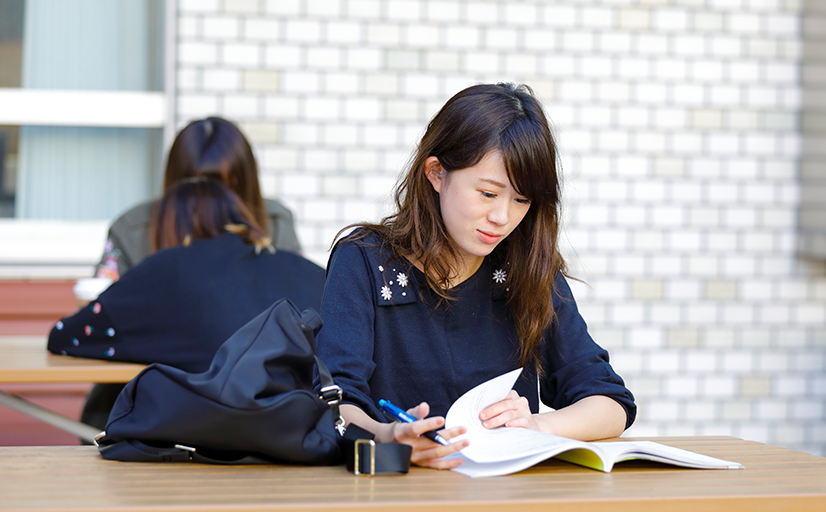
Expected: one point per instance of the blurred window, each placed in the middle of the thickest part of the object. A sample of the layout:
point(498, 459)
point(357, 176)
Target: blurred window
point(11, 48)
point(82, 106)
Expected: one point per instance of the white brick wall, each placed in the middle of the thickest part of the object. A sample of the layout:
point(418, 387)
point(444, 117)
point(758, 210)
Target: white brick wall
point(677, 123)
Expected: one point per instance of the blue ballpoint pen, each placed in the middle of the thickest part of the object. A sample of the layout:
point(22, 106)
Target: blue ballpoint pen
point(402, 416)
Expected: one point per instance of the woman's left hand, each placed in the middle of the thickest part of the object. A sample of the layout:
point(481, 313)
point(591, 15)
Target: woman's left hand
point(513, 411)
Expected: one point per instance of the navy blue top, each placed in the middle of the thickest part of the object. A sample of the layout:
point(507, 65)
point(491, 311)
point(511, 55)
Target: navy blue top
point(382, 338)
point(180, 304)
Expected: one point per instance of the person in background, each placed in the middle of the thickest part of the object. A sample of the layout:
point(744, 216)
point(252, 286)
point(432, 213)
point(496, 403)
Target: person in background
point(214, 148)
point(214, 270)
point(464, 283)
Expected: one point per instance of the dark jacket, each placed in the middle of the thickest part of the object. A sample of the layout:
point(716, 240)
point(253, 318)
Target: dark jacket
point(181, 303)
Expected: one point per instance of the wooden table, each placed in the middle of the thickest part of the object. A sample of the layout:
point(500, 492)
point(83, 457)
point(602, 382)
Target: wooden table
point(76, 478)
point(24, 359)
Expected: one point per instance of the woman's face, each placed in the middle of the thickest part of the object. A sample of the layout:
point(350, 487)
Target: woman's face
point(479, 205)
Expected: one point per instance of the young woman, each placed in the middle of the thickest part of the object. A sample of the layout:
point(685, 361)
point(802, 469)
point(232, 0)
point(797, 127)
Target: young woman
point(212, 148)
point(464, 283)
point(214, 270)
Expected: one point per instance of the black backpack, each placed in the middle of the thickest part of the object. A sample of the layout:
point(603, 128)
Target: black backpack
point(254, 405)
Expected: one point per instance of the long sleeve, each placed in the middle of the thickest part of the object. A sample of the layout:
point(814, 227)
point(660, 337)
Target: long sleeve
point(88, 333)
point(574, 365)
point(346, 341)
point(119, 325)
point(180, 304)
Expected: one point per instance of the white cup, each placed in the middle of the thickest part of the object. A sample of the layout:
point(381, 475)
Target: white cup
point(88, 289)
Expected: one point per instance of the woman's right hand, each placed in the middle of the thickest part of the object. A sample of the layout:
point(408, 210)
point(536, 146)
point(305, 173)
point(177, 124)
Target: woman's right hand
point(427, 453)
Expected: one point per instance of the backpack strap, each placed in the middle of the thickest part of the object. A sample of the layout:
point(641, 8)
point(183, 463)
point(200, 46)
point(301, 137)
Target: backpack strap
point(364, 456)
point(329, 392)
point(132, 450)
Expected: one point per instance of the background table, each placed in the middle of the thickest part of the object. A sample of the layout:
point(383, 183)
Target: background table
point(24, 359)
point(76, 478)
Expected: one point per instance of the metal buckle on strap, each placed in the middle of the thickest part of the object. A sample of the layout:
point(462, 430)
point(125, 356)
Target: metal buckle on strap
point(341, 425)
point(98, 438)
point(331, 394)
point(190, 450)
point(357, 458)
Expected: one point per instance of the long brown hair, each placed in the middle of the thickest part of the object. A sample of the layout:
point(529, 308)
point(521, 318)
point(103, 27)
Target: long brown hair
point(506, 118)
point(199, 209)
point(216, 148)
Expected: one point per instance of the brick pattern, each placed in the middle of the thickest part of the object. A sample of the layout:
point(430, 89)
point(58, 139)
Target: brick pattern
point(678, 127)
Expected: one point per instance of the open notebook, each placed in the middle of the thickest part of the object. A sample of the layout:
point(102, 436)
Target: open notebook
point(504, 450)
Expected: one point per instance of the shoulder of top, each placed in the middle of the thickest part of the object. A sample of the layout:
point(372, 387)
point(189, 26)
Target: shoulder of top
point(290, 257)
point(165, 262)
point(224, 247)
point(163, 256)
point(137, 216)
point(371, 246)
point(276, 209)
point(562, 290)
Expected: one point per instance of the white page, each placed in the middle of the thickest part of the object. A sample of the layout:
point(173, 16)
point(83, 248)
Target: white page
point(503, 443)
point(466, 409)
point(506, 450)
point(506, 443)
point(649, 450)
point(479, 469)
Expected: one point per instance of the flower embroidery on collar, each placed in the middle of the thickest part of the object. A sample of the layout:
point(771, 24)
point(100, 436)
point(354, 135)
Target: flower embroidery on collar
point(402, 279)
point(499, 276)
point(393, 282)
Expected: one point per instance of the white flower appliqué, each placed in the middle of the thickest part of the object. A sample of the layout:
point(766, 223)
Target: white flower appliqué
point(386, 294)
point(499, 276)
point(402, 279)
